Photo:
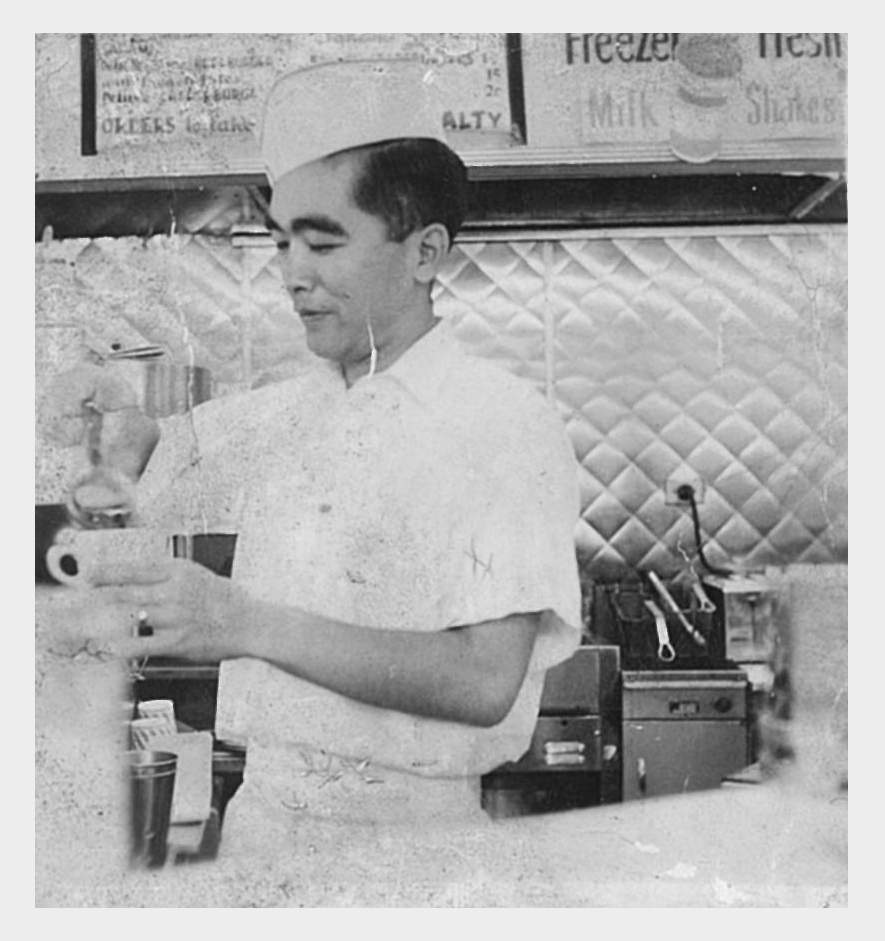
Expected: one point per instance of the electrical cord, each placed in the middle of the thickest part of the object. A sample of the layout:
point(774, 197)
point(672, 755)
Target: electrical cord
point(686, 492)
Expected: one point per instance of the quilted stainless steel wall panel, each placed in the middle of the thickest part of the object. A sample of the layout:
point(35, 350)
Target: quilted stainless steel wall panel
point(723, 350)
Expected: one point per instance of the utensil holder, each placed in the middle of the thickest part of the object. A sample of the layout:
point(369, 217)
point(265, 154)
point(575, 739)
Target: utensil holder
point(629, 624)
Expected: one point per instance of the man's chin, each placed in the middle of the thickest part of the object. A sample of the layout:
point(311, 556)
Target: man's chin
point(324, 350)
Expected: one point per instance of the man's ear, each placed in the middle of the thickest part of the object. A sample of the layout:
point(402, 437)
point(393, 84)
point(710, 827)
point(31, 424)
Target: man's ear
point(432, 245)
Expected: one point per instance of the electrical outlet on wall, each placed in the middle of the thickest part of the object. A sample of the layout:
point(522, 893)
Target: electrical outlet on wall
point(684, 475)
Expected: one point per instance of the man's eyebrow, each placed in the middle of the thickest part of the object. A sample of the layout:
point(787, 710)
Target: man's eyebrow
point(314, 223)
point(317, 222)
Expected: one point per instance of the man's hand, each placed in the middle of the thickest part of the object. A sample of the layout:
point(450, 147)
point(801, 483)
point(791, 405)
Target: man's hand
point(469, 674)
point(194, 614)
point(128, 436)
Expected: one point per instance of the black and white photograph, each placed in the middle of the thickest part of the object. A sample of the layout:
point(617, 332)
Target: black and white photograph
point(441, 470)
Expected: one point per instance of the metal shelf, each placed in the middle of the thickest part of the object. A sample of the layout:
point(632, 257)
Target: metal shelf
point(216, 206)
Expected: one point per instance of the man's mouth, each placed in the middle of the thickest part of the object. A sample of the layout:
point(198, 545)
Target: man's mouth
point(309, 315)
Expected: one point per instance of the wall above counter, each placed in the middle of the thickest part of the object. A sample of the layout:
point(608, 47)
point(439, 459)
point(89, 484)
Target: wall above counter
point(139, 106)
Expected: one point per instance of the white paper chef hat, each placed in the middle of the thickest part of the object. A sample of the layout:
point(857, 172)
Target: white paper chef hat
point(321, 109)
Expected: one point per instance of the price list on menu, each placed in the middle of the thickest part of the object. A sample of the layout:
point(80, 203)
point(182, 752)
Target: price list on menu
point(198, 97)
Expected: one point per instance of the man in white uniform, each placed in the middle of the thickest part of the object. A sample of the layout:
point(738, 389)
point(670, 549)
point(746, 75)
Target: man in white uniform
point(405, 570)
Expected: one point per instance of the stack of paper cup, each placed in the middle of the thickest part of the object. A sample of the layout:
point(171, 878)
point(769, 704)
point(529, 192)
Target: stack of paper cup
point(155, 717)
point(143, 731)
point(158, 708)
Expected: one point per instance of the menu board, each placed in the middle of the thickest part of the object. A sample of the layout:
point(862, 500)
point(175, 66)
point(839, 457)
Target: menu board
point(696, 97)
point(189, 104)
point(197, 98)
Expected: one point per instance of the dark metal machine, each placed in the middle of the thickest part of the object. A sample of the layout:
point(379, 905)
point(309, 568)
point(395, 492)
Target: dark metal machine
point(683, 730)
point(574, 757)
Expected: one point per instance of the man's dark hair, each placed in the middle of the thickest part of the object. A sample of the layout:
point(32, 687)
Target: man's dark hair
point(409, 183)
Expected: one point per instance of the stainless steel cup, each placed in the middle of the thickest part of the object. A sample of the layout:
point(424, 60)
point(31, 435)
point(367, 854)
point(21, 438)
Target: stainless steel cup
point(152, 781)
point(164, 388)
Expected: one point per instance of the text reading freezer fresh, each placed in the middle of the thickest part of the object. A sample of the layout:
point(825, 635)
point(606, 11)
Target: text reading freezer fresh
point(608, 48)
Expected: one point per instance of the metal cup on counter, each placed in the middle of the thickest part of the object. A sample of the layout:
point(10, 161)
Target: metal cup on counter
point(151, 785)
point(162, 387)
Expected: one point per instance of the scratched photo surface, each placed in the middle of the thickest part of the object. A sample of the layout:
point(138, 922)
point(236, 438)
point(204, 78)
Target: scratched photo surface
point(657, 244)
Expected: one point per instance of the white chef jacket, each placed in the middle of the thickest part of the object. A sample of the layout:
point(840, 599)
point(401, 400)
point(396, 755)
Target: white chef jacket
point(439, 492)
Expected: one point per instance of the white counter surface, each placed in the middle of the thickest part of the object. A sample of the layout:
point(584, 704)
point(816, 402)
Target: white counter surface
point(775, 844)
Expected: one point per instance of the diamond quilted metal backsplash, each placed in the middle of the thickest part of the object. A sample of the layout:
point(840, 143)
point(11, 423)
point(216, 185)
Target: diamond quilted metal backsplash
point(721, 350)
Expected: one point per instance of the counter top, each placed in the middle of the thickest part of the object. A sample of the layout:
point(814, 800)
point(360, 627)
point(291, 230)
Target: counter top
point(778, 844)
point(745, 845)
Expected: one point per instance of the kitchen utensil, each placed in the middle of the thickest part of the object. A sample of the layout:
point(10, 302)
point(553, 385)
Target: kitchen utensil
point(151, 785)
point(669, 601)
point(666, 653)
point(704, 604)
point(78, 554)
point(103, 498)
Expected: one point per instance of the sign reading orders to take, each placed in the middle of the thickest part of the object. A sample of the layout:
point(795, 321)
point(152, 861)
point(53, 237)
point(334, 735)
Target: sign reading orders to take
point(201, 95)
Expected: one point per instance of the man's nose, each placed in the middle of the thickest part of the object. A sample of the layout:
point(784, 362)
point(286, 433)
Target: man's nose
point(297, 270)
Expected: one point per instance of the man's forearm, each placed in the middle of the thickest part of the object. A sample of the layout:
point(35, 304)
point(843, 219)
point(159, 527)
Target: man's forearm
point(470, 674)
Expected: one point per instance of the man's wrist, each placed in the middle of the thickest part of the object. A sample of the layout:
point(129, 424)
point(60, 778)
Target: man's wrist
point(261, 629)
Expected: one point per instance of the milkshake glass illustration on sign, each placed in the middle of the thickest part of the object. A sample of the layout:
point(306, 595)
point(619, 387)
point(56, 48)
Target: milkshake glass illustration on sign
point(705, 78)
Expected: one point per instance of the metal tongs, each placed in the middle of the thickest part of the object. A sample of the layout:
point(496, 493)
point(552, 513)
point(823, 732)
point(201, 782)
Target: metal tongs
point(704, 604)
point(666, 653)
point(696, 586)
point(670, 602)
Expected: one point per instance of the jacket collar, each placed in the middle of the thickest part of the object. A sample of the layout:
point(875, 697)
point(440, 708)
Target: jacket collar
point(424, 366)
